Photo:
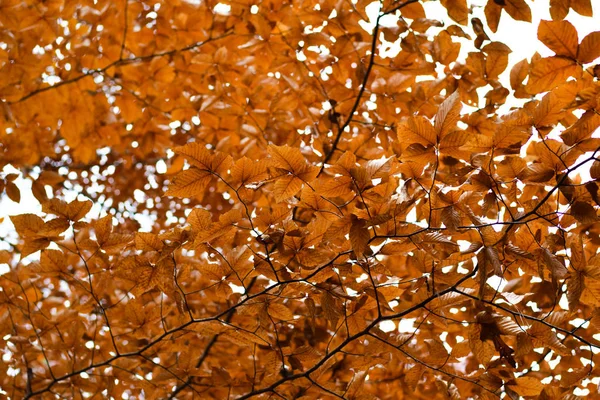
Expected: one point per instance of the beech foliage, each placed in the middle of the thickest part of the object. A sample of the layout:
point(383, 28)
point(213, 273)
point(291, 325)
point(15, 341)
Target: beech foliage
point(298, 200)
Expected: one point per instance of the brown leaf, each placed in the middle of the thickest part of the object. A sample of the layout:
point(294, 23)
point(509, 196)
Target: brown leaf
point(359, 236)
point(518, 9)
point(448, 114)
point(13, 192)
point(526, 386)
point(147, 241)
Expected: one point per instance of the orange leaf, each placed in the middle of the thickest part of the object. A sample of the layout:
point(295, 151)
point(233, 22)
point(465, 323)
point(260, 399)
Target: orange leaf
point(189, 183)
point(518, 9)
point(199, 156)
point(582, 7)
point(286, 186)
point(560, 37)
point(336, 187)
point(247, 171)
point(73, 211)
point(27, 225)
point(526, 386)
point(457, 10)
point(359, 236)
point(147, 241)
point(103, 228)
point(416, 130)
point(287, 158)
point(200, 219)
point(448, 114)
point(589, 49)
point(547, 73)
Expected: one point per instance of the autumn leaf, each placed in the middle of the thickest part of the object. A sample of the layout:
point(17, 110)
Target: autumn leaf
point(526, 386)
point(589, 48)
point(189, 183)
point(547, 73)
point(296, 171)
point(417, 130)
point(13, 192)
point(560, 37)
point(457, 10)
point(288, 159)
point(147, 241)
point(202, 158)
point(359, 236)
point(73, 211)
point(246, 171)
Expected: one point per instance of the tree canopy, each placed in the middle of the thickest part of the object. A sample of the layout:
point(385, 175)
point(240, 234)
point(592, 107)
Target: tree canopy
point(302, 199)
